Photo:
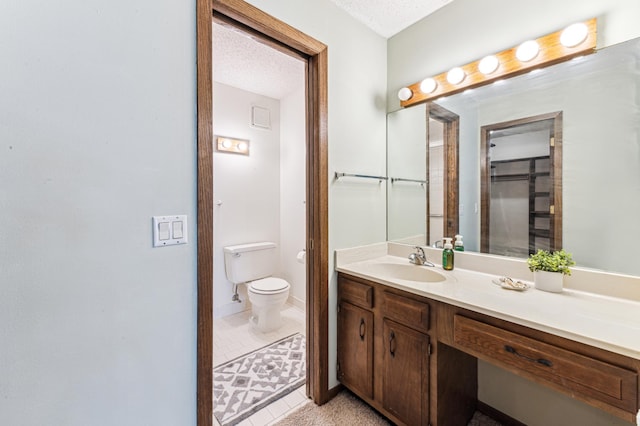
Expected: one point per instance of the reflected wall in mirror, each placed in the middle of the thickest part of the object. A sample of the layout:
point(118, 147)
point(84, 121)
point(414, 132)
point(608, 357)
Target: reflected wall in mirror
point(599, 96)
point(407, 160)
point(422, 170)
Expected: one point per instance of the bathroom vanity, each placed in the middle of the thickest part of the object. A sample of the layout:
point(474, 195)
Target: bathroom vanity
point(409, 346)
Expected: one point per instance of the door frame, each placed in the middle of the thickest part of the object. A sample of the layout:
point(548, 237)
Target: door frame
point(555, 175)
point(451, 184)
point(287, 39)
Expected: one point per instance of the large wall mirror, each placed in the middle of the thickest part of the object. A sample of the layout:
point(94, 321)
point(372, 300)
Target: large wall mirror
point(598, 99)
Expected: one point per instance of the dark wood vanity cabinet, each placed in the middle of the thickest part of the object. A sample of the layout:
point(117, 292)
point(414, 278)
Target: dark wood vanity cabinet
point(384, 349)
point(415, 359)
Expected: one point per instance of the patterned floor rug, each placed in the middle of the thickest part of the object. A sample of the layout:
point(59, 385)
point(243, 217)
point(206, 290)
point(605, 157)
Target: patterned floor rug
point(248, 383)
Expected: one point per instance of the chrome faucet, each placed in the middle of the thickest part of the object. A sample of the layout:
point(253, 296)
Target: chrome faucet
point(437, 244)
point(419, 258)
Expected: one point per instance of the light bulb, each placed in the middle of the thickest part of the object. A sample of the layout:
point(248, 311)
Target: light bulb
point(527, 51)
point(226, 143)
point(405, 94)
point(455, 75)
point(428, 85)
point(488, 64)
point(242, 147)
point(574, 34)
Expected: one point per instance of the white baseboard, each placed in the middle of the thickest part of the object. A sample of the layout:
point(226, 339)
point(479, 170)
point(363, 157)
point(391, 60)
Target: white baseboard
point(231, 308)
point(298, 303)
point(235, 307)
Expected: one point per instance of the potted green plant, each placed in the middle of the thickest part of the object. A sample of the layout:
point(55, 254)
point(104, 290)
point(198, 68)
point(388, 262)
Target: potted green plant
point(549, 269)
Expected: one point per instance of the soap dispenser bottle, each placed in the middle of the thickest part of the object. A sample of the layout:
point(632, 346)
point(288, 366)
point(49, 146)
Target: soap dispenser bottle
point(447, 255)
point(458, 245)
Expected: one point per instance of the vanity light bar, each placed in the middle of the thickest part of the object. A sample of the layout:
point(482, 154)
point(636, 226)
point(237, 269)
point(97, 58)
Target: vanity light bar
point(551, 51)
point(232, 145)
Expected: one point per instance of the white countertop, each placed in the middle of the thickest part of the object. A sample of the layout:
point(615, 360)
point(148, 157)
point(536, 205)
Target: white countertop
point(605, 322)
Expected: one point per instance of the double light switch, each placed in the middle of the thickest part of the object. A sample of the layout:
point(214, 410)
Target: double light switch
point(169, 230)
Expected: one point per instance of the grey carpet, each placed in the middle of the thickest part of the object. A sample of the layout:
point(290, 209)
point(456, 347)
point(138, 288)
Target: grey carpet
point(344, 409)
point(348, 409)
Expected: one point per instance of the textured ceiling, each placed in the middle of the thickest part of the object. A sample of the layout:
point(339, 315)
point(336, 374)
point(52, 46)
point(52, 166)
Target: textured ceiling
point(389, 17)
point(242, 62)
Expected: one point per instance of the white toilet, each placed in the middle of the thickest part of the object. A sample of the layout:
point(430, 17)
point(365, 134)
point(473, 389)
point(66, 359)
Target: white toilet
point(253, 264)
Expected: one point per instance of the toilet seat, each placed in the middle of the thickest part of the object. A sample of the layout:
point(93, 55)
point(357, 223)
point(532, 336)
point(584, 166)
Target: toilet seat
point(269, 285)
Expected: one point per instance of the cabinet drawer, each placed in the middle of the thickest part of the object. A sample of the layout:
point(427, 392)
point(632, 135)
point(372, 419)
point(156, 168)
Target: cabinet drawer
point(355, 292)
point(574, 373)
point(406, 311)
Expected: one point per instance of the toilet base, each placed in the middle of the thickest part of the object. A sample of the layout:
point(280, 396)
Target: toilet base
point(267, 320)
point(265, 309)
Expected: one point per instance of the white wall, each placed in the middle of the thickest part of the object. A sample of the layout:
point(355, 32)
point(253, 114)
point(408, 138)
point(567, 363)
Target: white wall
point(357, 117)
point(443, 41)
point(97, 135)
point(436, 194)
point(248, 187)
point(292, 192)
point(522, 145)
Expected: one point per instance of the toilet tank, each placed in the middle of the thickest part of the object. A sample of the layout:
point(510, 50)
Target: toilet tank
point(250, 262)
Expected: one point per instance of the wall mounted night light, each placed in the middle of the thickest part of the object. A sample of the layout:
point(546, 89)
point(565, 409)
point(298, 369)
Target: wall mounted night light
point(231, 145)
point(576, 40)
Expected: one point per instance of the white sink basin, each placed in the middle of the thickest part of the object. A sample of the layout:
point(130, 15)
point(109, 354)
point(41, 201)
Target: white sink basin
point(405, 272)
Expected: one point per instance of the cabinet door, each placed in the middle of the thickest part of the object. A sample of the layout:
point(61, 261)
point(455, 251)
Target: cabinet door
point(355, 349)
point(406, 373)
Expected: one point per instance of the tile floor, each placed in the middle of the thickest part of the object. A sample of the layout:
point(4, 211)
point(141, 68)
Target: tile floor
point(233, 336)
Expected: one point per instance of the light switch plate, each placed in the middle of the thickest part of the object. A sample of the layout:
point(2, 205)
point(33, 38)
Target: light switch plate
point(169, 230)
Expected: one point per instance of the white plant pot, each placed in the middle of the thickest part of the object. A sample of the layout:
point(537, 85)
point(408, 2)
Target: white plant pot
point(548, 281)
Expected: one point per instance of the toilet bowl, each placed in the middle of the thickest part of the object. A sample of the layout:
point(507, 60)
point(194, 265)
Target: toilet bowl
point(254, 264)
point(267, 297)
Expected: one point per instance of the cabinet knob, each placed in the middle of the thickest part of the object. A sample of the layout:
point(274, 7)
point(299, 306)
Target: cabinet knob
point(362, 328)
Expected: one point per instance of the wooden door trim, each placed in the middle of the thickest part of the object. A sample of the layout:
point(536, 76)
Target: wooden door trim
point(451, 129)
point(556, 179)
point(204, 316)
point(282, 36)
point(555, 176)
